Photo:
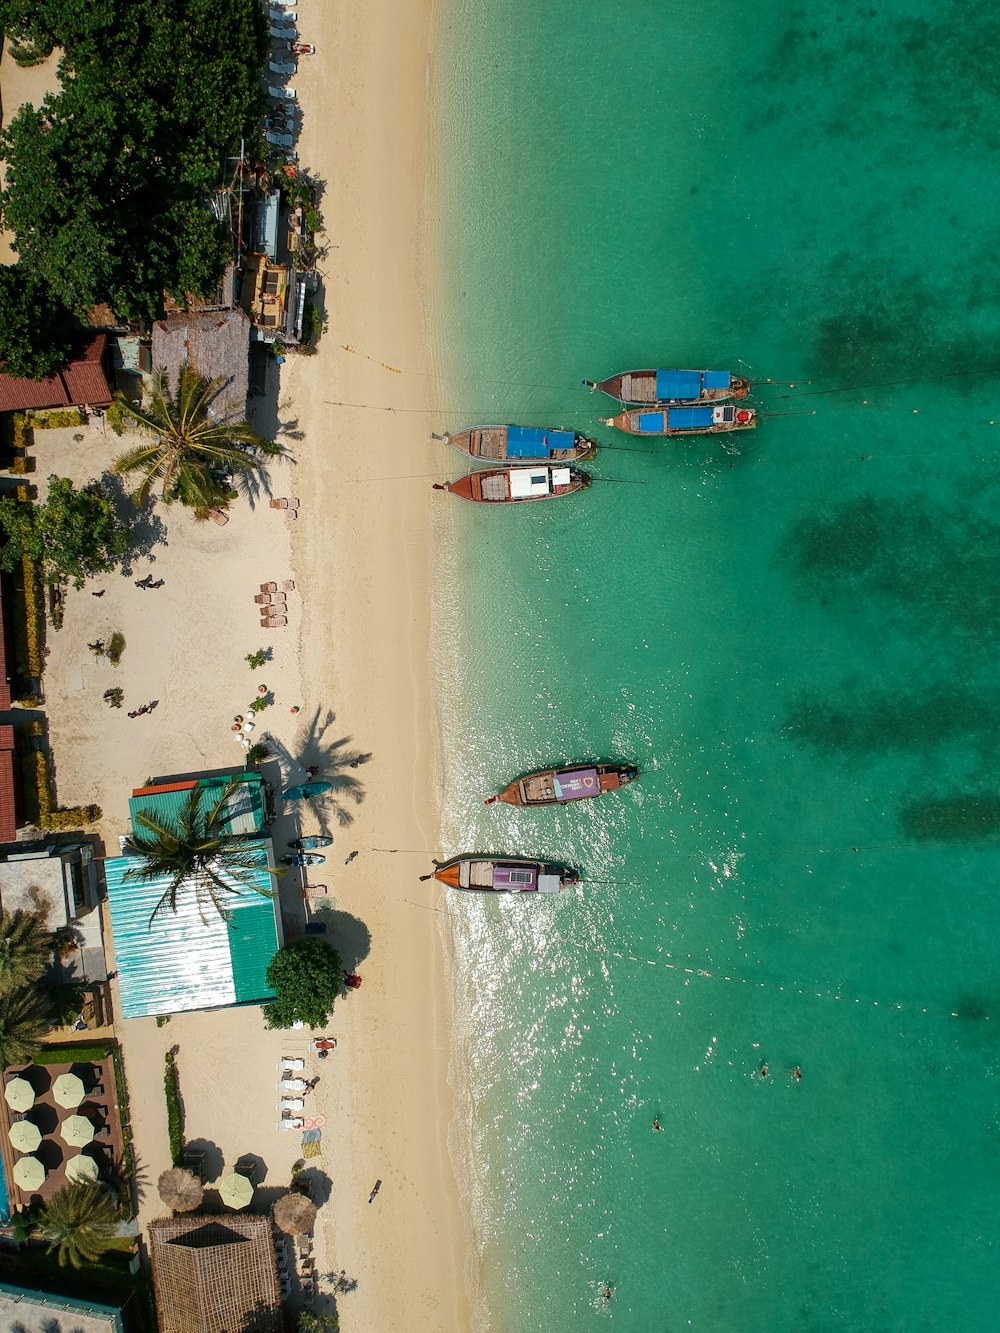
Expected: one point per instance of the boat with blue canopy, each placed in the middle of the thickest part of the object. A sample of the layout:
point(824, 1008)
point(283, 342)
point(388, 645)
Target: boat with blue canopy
point(520, 444)
point(664, 387)
point(560, 786)
point(685, 420)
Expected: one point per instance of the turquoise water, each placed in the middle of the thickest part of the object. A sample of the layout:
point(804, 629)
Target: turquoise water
point(795, 637)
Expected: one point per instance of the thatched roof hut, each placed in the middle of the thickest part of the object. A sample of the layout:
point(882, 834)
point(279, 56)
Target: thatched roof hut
point(294, 1213)
point(215, 1274)
point(180, 1190)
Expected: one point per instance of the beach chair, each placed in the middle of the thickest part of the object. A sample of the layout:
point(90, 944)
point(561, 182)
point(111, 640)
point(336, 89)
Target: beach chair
point(274, 622)
point(292, 1085)
point(293, 503)
point(269, 587)
point(281, 66)
point(278, 503)
point(262, 598)
point(219, 516)
point(290, 1104)
point(315, 891)
point(288, 585)
point(284, 14)
point(292, 1122)
point(283, 94)
point(291, 514)
point(291, 1062)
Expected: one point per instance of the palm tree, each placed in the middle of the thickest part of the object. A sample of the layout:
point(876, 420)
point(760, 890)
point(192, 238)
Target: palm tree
point(80, 1222)
point(24, 1021)
point(191, 450)
point(25, 949)
point(198, 853)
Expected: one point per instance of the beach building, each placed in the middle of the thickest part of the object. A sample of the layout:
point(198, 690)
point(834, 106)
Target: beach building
point(213, 343)
point(273, 290)
point(82, 382)
point(28, 1310)
point(193, 959)
point(59, 880)
point(215, 1275)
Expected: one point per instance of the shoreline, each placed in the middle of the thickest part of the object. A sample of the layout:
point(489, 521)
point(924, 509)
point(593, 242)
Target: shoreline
point(370, 573)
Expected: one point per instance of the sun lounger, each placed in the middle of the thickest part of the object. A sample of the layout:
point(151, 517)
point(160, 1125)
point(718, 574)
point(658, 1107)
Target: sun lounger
point(291, 1062)
point(274, 622)
point(290, 1104)
point(293, 1122)
point(292, 1085)
point(288, 585)
point(285, 14)
point(269, 587)
point(276, 504)
point(219, 516)
point(315, 891)
point(294, 504)
point(262, 598)
point(287, 94)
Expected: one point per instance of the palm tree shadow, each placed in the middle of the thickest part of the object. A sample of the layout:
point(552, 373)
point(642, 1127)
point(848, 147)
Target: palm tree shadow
point(334, 760)
point(147, 529)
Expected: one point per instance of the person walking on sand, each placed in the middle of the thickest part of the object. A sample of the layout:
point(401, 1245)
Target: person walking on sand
point(350, 858)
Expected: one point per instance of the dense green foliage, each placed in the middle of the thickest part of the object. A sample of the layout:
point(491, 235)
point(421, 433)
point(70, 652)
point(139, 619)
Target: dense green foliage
point(24, 1020)
point(175, 1108)
point(199, 854)
point(106, 180)
point(306, 977)
point(72, 534)
point(326, 1322)
point(36, 330)
point(190, 453)
point(68, 1055)
point(25, 950)
point(80, 1223)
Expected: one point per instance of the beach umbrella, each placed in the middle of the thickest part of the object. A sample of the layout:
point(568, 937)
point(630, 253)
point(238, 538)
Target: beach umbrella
point(180, 1190)
point(236, 1191)
point(24, 1135)
point(294, 1213)
point(306, 790)
point(77, 1131)
point(81, 1167)
point(68, 1090)
point(29, 1174)
point(19, 1094)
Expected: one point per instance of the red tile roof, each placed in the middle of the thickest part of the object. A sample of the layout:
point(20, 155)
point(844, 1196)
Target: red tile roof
point(8, 788)
point(157, 789)
point(80, 383)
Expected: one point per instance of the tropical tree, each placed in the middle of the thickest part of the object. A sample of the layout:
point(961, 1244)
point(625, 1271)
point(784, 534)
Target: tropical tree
point(25, 950)
point(306, 977)
point(36, 330)
point(80, 1222)
point(198, 854)
point(24, 1021)
point(325, 1322)
point(72, 534)
point(190, 453)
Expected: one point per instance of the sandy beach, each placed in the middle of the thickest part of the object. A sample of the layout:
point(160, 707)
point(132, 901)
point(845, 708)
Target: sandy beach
point(354, 662)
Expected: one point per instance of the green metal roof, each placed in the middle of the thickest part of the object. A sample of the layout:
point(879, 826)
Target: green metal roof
point(182, 962)
point(244, 809)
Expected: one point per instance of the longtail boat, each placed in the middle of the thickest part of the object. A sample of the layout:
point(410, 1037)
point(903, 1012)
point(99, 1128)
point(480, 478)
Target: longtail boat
point(685, 420)
point(557, 786)
point(520, 444)
point(508, 485)
point(502, 874)
point(672, 386)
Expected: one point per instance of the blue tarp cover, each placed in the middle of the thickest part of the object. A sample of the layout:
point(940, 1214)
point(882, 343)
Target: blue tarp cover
point(690, 418)
point(717, 379)
point(678, 384)
point(531, 442)
point(652, 423)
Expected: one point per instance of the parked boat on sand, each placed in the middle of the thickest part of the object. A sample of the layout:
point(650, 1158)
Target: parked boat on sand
point(475, 873)
point(557, 786)
point(672, 386)
point(509, 485)
point(521, 444)
point(685, 420)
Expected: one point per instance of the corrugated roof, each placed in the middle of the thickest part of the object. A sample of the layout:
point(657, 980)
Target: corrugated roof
point(182, 962)
point(245, 808)
point(214, 345)
point(80, 383)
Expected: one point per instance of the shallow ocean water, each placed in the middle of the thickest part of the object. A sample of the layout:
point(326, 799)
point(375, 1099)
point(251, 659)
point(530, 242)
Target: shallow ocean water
point(794, 635)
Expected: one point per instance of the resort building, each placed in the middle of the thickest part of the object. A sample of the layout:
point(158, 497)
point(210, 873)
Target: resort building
point(59, 881)
point(82, 382)
point(215, 1275)
point(28, 1310)
point(213, 343)
point(273, 291)
point(193, 959)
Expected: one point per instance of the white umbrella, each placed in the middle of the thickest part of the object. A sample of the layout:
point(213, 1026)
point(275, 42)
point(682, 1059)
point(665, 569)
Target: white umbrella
point(77, 1131)
point(81, 1167)
point(24, 1135)
point(68, 1090)
point(236, 1191)
point(29, 1174)
point(19, 1094)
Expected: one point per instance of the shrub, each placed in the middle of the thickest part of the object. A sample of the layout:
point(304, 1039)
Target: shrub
point(312, 323)
point(58, 417)
point(258, 753)
point(116, 416)
point(258, 705)
point(306, 977)
point(175, 1108)
point(37, 773)
point(71, 817)
point(19, 465)
point(257, 659)
point(33, 614)
point(68, 1054)
point(30, 701)
point(22, 431)
point(115, 648)
point(115, 697)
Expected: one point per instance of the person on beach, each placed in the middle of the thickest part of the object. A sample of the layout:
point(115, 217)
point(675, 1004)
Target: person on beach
point(350, 858)
point(378, 1186)
point(98, 594)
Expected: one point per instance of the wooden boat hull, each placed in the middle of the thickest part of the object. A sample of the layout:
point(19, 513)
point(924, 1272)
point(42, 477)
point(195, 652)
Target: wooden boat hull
point(474, 873)
point(639, 387)
point(500, 444)
point(561, 786)
point(679, 421)
point(515, 485)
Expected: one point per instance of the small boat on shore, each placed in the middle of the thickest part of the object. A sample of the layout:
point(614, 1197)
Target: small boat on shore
point(509, 485)
point(474, 873)
point(658, 387)
point(557, 786)
point(521, 444)
point(685, 420)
